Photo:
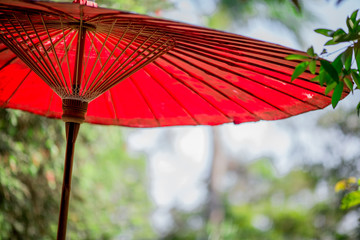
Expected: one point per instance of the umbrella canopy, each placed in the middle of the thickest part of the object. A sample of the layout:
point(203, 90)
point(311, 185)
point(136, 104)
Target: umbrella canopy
point(79, 63)
point(206, 76)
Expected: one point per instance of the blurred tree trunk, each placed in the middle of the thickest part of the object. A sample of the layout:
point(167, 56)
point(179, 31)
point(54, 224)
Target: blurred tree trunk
point(215, 209)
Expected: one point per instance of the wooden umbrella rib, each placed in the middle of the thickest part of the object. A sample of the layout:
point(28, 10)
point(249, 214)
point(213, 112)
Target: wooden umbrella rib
point(209, 49)
point(129, 58)
point(237, 64)
point(110, 69)
point(18, 51)
point(243, 51)
point(234, 40)
point(43, 62)
point(196, 91)
point(173, 95)
point(211, 34)
point(170, 27)
point(52, 10)
point(4, 47)
point(112, 54)
point(78, 56)
point(60, 61)
point(234, 44)
point(239, 88)
point(236, 61)
point(113, 105)
point(92, 86)
point(252, 80)
point(25, 60)
point(65, 58)
point(54, 52)
point(170, 93)
point(8, 62)
point(99, 54)
point(105, 78)
point(86, 88)
point(135, 68)
point(66, 53)
point(50, 102)
point(23, 54)
point(146, 101)
point(15, 90)
point(224, 80)
point(44, 67)
point(210, 85)
point(147, 61)
point(225, 59)
point(87, 60)
point(104, 75)
point(124, 68)
point(139, 64)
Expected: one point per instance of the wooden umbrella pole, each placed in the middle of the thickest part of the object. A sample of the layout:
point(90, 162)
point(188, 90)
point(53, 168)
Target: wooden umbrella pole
point(73, 115)
point(72, 130)
point(74, 111)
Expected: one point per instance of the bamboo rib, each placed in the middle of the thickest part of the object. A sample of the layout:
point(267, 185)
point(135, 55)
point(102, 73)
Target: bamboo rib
point(35, 38)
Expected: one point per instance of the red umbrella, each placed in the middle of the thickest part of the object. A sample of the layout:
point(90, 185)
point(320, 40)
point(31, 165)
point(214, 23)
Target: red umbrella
point(81, 63)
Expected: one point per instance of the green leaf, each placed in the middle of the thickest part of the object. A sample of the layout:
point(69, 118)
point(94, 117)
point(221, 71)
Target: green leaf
point(358, 109)
point(357, 54)
point(356, 78)
point(299, 69)
point(310, 51)
point(337, 64)
point(316, 79)
point(324, 77)
point(330, 70)
point(350, 24)
point(325, 32)
point(338, 32)
point(342, 38)
point(330, 42)
point(350, 200)
point(349, 83)
point(330, 87)
point(312, 66)
point(296, 57)
point(337, 94)
point(346, 58)
point(354, 15)
point(344, 184)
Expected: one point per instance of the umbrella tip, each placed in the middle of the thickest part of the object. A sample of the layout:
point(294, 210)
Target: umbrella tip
point(90, 3)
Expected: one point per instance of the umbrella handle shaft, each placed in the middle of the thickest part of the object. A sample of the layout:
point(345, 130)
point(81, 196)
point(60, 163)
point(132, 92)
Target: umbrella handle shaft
point(72, 130)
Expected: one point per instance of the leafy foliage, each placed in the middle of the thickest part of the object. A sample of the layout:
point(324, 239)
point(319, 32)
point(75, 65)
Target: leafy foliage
point(339, 73)
point(260, 204)
point(109, 196)
point(289, 15)
point(351, 188)
point(28, 176)
point(138, 6)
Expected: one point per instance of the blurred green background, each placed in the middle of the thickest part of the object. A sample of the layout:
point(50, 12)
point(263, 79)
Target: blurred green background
point(110, 192)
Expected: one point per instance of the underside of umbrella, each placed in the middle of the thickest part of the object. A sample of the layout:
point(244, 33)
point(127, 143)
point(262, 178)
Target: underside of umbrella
point(117, 61)
point(104, 66)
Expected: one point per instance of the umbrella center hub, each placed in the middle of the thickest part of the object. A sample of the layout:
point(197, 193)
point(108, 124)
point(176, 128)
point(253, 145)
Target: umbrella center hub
point(74, 110)
point(77, 25)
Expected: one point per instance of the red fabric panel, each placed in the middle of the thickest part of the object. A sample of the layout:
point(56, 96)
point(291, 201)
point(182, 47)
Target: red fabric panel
point(210, 77)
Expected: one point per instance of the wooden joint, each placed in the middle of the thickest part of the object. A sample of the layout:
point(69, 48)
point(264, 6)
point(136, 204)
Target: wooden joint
point(74, 110)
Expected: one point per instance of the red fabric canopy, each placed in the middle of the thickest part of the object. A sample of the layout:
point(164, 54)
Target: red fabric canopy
point(208, 77)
